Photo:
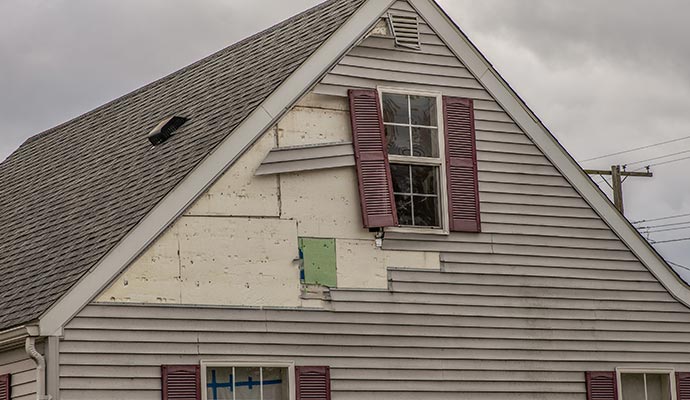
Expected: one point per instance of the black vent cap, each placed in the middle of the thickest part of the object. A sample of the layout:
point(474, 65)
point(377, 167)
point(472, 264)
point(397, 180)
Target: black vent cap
point(165, 129)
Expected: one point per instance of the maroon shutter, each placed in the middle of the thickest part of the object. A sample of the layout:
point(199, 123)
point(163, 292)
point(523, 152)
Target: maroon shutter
point(313, 383)
point(461, 165)
point(682, 385)
point(371, 157)
point(601, 385)
point(5, 387)
point(181, 382)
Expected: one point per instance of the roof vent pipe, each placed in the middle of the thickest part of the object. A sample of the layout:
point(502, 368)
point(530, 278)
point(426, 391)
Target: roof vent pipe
point(165, 129)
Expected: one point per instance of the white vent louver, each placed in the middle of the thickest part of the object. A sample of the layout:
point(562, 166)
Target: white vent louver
point(405, 30)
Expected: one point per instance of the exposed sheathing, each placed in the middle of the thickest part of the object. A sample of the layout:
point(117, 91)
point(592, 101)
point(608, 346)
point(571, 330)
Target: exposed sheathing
point(237, 244)
point(23, 372)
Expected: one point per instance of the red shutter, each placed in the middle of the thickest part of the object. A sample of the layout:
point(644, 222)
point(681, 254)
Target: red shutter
point(5, 387)
point(601, 385)
point(181, 382)
point(683, 385)
point(371, 157)
point(313, 383)
point(461, 165)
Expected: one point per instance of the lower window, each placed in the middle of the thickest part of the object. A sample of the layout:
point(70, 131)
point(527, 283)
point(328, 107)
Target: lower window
point(645, 386)
point(416, 193)
point(234, 382)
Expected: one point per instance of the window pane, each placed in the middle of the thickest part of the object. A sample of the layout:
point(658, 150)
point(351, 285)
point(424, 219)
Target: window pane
point(400, 174)
point(398, 138)
point(395, 108)
point(633, 386)
point(424, 179)
point(424, 142)
point(219, 383)
point(423, 110)
point(404, 206)
point(426, 211)
point(658, 387)
point(275, 384)
point(247, 383)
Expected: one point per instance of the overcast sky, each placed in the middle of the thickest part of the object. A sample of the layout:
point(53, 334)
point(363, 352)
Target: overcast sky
point(604, 76)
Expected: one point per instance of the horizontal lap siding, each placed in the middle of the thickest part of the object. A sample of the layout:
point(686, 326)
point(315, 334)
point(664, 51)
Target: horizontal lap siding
point(23, 370)
point(546, 292)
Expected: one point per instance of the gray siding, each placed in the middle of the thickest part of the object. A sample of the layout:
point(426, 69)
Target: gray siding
point(520, 311)
point(23, 370)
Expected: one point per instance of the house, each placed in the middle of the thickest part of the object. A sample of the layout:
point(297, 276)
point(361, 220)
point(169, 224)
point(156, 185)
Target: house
point(352, 204)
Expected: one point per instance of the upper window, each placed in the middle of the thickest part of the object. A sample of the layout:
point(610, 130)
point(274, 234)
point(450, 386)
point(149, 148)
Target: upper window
point(227, 382)
point(414, 153)
point(645, 386)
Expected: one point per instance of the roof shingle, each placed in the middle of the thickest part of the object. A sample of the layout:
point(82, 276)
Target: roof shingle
point(69, 194)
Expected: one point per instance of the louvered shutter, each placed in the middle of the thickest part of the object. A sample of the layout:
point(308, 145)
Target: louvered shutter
point(682, 385)
point(181, 382)
point(371, 156)
point(5, 387)
point(461, 165)
point(601, 385)
point(313, 383)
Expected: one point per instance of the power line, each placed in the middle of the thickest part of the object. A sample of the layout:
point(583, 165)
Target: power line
point(636, 149)
point(664, 225)
point(670, 240)
point(678, 265)
point(668, 162)
point(666, 230)
point(661, 218)
point(656, 158)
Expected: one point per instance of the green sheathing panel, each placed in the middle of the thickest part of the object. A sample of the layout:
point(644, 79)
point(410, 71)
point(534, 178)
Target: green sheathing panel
point(318, 257)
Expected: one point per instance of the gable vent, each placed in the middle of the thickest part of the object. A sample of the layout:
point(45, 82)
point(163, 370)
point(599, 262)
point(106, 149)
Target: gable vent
point(165, 129)
point(405, 30)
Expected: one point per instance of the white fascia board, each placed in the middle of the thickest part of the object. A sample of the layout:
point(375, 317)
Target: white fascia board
point(213, 166)
point(504, 95)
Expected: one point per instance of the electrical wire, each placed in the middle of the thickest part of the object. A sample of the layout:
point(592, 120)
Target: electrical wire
point(666, 230)
point(656, 158)
point(670, 240)
point(635, 149)
point(678, 265)
point(661, 218)
point(664, 225)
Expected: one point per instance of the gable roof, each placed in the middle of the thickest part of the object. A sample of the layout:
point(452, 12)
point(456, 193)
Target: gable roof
point(68, 195)
point(209, 149)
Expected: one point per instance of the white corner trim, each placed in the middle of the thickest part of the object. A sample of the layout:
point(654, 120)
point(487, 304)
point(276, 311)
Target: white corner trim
point(214, 165)
point(480, 67)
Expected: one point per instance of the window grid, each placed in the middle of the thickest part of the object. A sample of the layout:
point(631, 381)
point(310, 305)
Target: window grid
point(411, 159)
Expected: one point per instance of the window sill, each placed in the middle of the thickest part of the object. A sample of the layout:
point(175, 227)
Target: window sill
point(421, 231)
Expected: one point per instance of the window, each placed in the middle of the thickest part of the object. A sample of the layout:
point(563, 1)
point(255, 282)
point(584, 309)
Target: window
point(414, 146)
point(246, 382)
point(645, 385)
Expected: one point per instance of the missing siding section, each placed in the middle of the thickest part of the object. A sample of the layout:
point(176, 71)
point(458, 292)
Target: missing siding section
point(405, 30)
point(318, 261)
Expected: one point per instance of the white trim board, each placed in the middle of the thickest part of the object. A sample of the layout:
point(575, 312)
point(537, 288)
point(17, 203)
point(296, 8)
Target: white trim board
point(212, 167)
point(504, 95)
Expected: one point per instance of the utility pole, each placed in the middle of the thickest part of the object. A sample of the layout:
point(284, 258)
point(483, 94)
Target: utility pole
point(618, 176)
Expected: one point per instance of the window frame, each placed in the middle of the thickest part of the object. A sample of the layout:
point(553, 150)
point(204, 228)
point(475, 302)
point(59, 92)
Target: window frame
point(625, 370)
point(444, 217)
point(290, 365)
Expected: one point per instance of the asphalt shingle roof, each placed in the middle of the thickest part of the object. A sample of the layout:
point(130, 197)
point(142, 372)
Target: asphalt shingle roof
point(69, 194)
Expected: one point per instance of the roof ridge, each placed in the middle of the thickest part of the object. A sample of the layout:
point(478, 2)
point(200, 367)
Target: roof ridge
point(165, 78)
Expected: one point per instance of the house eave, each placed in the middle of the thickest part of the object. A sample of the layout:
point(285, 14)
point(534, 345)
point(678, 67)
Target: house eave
point(15, 337)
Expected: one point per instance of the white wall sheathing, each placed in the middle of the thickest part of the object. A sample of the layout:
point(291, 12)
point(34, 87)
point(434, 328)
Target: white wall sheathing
point(237, 243)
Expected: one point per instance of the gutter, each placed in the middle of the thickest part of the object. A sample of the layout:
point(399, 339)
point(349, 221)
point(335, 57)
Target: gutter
point(15, 336)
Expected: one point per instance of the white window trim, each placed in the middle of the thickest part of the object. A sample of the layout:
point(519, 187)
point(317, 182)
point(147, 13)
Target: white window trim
point(444, 229)
point(669, 371)
point(245, 363)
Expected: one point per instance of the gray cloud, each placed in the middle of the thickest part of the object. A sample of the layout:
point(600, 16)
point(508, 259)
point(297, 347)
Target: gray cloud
point(603, 75)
